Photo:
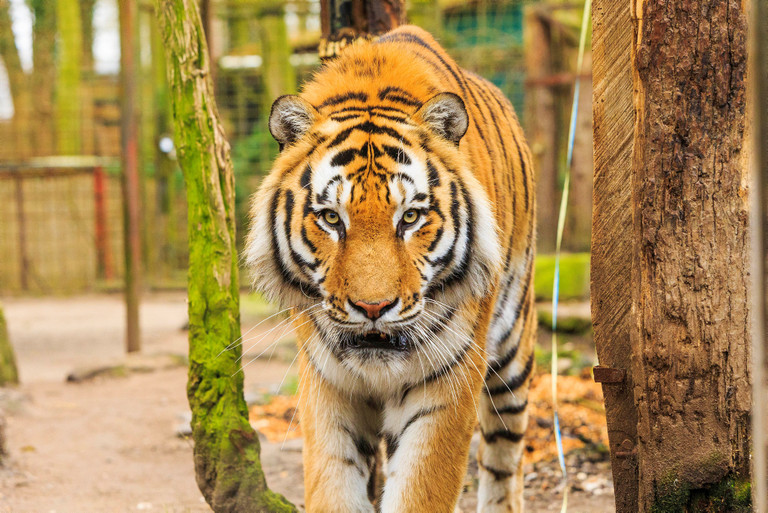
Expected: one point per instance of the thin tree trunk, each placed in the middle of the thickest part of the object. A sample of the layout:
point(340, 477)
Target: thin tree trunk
point(43, 41)
point(86, 24)
point(69, 49)
point(9, 374)
point(226, 451)
point(691, 339)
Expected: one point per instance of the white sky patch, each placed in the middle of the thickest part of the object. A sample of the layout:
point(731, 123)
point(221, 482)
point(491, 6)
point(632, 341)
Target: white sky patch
point(21, 25)
point(106, 37)
point(6, 98)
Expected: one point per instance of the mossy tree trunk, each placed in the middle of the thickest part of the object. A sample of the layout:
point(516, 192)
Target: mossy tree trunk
point(691, 337)
point(43, 42)
point(69, 50)
point(226, 453)
point(9, 374)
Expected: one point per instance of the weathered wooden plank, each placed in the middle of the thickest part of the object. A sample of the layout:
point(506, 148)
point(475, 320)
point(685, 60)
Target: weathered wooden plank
point(612, 231)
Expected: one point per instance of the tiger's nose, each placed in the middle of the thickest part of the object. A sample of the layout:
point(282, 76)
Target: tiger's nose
point(372, 310)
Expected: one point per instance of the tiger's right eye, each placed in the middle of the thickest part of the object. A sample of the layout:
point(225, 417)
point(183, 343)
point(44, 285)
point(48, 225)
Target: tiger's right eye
point(331, 217)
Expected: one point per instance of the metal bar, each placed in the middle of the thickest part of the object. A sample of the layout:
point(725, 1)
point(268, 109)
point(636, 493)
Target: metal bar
point(22, 224)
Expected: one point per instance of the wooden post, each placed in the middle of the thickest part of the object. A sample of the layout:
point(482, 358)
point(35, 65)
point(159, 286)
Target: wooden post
point(541, 125)
point(611, 261)
point(130, 163)
point(759, 219)
point(690, 270)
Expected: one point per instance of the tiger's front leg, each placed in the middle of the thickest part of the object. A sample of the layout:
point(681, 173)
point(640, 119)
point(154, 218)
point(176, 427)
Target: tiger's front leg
point(339, 446)
point(427, 439)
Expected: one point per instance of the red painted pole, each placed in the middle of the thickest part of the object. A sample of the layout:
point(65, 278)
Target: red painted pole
point(103, 251)
point(130, 162)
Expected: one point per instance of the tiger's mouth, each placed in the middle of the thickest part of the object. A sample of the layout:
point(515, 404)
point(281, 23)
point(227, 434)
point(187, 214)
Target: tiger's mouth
point(378, 340)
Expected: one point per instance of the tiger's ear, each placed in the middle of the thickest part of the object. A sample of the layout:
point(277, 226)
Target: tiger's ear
point(446, 115)
point(290, 118)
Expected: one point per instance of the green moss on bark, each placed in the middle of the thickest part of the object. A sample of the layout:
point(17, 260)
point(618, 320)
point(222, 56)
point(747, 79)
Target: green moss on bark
point(9, 374)
point(226, 453)
point(730, 495)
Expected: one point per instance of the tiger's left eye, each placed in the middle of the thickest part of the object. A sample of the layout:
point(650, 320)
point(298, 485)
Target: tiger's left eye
point(331, 217)
point(411, 216)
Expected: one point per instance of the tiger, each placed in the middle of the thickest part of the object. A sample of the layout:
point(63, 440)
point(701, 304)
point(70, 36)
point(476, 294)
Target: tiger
point(398, 222)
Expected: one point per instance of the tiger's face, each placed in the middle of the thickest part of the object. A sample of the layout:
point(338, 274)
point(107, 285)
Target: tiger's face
point(372, 220)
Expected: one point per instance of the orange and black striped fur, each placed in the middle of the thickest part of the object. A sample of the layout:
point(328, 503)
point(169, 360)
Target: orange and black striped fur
point(398, 221)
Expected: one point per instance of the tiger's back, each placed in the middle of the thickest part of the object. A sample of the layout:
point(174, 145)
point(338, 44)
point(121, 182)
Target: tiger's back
point(474, 271)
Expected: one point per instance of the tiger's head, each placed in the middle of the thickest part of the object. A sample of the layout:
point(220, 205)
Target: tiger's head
point(372, 218)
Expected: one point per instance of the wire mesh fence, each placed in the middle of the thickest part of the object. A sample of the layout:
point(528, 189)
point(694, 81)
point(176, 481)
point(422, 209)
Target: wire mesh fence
point(57, 235)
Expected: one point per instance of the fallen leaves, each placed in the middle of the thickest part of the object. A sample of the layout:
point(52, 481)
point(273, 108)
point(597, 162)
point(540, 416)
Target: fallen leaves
point(580, 409)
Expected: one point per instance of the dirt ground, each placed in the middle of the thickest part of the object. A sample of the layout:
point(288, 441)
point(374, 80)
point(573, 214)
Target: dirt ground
point(112, 443)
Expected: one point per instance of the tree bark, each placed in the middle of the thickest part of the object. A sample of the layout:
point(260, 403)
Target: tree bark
point(226, 449)
point(690, 337)
point(9, 373)
point(343, 21)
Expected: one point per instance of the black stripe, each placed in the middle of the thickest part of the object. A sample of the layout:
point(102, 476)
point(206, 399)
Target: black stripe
point(488, 106)
point(397, 154)
point(341, 98)
point(288, 278)
point(503, 434)
point(323, 197)
point(524, 180)
point(393, 441)
point(442, 371)
point(404, 178)
point(341, 119)
point(516, 381)
point(305, 177)
point(459, 272)
point(434, 176)
point(512, 409)
point(363, 446)
point(498, 475)
point(400, 95)
point(496, 366)
point(441, 262)
point(344, 157)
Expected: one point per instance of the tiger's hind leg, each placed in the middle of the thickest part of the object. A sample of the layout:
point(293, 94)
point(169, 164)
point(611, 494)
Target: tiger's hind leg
point(504, 418)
